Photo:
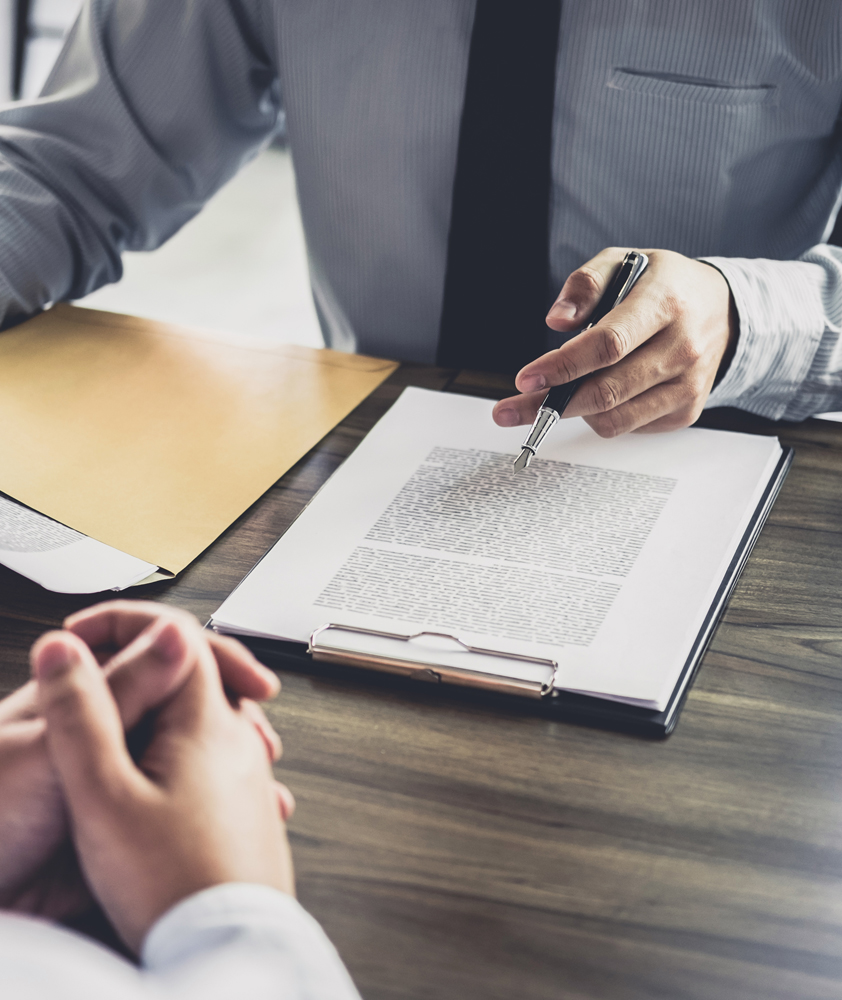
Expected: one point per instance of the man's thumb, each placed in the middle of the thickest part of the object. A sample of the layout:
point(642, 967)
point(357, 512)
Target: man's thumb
point(84, 732)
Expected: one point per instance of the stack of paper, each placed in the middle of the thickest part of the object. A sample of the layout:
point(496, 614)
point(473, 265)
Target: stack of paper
point(605, 556)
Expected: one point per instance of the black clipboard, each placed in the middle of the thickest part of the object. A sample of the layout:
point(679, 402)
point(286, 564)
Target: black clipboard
point(541, 698)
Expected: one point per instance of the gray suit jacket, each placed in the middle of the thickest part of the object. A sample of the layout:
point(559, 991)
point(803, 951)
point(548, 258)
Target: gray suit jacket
point(709, 127)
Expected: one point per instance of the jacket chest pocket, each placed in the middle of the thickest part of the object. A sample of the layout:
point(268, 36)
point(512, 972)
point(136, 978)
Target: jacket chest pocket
point(693, 90)
point(680, 143)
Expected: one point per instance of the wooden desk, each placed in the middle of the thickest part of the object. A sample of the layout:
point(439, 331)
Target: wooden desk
point(456, 851)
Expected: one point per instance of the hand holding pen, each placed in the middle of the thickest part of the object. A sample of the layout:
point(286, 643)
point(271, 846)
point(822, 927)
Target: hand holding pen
point(651, 362)
point(556, 400)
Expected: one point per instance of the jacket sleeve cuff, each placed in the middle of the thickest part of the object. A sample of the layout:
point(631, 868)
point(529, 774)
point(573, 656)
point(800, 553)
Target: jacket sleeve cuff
point(251, 934)
point(782, 319)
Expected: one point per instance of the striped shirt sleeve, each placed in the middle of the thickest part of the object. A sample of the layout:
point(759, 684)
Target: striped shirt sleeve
point(788, 362)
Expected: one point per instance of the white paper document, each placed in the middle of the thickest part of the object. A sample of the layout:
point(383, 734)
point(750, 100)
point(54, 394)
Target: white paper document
point(604, 555)
point(61, 559)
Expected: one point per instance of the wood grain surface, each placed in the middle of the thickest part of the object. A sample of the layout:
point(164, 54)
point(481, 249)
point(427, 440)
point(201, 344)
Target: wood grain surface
point(458, 850)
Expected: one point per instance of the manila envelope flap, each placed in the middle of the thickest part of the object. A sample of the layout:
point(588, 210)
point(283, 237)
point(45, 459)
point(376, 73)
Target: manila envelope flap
point(153, 438)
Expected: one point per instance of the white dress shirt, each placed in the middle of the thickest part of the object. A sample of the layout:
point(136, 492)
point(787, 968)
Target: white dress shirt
point(700, 126)
point(225, 943)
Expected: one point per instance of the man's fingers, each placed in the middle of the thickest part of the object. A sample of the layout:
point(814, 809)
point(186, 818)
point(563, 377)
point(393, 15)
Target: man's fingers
point(240, 670)
point(638, 318)
point(645, 368)
point(20, 704)
point(202, 702)
point(158, 662)
point(255, 714)
point(151, 669)
point(603, 390)
point(583, 290)
point(286, 802)
point(517, 410)
point(115, 624)
point(84, 732)
point(666, 404)
point(159, 648)
point(641, 396)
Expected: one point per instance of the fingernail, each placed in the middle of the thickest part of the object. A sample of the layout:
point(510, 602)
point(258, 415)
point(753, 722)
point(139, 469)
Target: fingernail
point(53, 659)
point(532, 383)
point(168, 644)
point(271, 678)
point(508, 418)
point(286, 801)
point(563, 309)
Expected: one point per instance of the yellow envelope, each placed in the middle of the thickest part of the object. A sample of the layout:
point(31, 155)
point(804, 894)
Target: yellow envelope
point(153, 438)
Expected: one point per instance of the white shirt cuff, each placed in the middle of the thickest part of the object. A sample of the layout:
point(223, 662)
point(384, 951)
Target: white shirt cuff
point(249, 937)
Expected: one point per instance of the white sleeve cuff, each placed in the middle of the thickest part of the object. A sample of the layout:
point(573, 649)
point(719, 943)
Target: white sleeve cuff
point(782, 319)
point(245, 940)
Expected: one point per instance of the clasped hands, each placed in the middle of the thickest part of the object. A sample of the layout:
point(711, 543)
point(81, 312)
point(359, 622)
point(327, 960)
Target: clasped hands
point(199, 805)
point(654, 357)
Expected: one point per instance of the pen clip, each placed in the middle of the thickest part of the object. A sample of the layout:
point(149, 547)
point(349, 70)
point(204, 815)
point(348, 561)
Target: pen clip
point(633, 265)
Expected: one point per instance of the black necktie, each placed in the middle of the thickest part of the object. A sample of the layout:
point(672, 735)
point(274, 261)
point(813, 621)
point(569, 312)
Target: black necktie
point(496, 289)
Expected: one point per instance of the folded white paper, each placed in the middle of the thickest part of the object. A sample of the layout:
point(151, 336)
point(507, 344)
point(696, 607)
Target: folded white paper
point(61, 559)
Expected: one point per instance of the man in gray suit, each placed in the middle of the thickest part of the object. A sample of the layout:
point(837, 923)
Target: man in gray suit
point(703, 133)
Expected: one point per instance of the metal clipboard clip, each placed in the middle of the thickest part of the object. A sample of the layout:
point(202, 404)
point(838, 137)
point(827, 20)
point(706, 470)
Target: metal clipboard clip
point(526, 680)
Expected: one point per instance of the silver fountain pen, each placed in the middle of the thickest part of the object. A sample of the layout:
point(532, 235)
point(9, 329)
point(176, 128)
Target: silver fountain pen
point(556, 400)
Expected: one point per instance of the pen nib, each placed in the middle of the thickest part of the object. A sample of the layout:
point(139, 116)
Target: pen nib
point(523, 459)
